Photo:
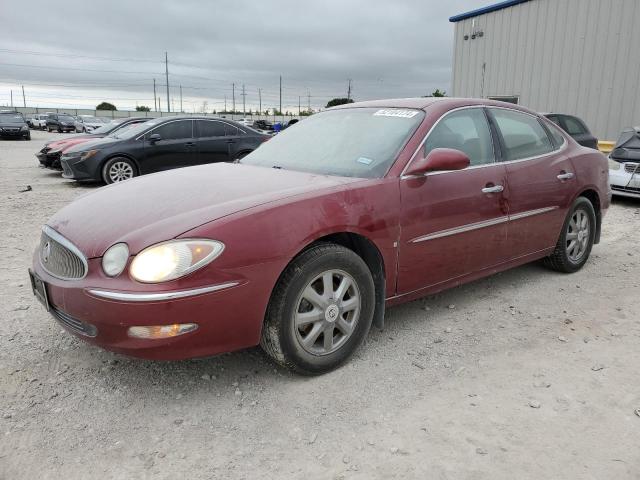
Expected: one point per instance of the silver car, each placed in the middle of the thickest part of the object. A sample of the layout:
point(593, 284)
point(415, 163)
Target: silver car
point(88, 123)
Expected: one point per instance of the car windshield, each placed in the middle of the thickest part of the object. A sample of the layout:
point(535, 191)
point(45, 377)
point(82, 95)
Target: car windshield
point(352, 142)
point(11, 117)
point(108, 127)
point(66, 118)
point(134, 130)
point(90, 120)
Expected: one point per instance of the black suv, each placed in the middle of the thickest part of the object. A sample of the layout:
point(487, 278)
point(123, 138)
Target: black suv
point(13, 125)
point(61, 122)
point(160, 144)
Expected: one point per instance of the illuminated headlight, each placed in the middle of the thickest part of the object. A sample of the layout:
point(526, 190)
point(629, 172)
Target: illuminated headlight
point(613, 165)
point(161, 331)
point(88, 154)
point(174, 259)
point(115, 259)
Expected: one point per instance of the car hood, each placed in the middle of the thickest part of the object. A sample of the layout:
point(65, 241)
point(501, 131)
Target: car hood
point(158, 207)
point(64, 144)
point(12, 124)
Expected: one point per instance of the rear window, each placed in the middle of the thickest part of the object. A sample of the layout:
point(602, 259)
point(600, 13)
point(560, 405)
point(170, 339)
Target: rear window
point(522, 134)
point(574, 126)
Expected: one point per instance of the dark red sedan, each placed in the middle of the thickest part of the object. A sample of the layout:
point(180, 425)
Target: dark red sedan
point(302, 245)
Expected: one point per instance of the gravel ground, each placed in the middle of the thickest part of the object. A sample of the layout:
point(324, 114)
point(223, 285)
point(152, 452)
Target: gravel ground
point(529, 374)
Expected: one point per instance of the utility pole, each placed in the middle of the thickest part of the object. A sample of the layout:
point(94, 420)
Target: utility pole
point(309, 101)
point(349, 90)
point(298, 105)
point(24, 101)
point(160, 105)
point(225, 103)
point(260, 100)
point(181, 110)
point(155, 100)
point(244, 105)
point(11, 98)
point(280, 94)
point(166, 69)
point(233, 93)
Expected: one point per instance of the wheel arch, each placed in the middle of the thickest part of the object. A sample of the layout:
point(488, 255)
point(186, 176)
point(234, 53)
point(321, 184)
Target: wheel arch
point(115, 155)
point(593, 196)
point(370, 254)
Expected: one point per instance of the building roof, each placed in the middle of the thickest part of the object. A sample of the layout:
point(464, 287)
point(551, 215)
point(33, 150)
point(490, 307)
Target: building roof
point(487, 9)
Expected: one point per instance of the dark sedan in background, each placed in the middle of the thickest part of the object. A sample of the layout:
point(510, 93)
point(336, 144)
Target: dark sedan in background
point(13, 125)
point(157, 145)
point(574, 127)
point(61, 122)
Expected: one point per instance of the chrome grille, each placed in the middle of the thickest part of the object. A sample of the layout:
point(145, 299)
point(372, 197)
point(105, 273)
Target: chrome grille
point(632, 167)
point(59, 257)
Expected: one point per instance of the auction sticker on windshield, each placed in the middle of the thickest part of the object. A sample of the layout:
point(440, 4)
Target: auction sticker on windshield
point(396, 113)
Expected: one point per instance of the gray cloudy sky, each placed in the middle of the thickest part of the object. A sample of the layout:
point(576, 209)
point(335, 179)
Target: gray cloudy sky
point(73, 54)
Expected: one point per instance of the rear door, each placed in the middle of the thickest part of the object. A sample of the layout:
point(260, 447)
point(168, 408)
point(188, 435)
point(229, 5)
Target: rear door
point(541, 180)
point(176, 147)
point(213, 145)
point(455, 222)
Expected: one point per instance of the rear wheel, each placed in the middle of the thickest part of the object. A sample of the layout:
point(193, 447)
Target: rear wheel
point(576, 240)
point(321, 310)
point(118, 169)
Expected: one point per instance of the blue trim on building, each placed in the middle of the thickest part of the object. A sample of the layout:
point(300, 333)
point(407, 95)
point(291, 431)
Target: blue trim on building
point(487, 9)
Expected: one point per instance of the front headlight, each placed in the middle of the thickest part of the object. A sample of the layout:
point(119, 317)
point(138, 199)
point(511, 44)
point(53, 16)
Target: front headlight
point(613, 165)
point(24, 128)
point(173, 259)
point(88, 154)
point(115, 259)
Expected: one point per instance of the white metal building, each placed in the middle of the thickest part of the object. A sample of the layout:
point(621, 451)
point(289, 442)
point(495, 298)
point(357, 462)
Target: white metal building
point(580, 57)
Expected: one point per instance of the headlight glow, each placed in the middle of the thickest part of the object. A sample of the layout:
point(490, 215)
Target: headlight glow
point(88, 154)
point(613, 165)
point(115, 259)
point(174, 259)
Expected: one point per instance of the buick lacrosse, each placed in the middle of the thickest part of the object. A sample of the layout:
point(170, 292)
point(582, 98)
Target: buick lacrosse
point(302, 244)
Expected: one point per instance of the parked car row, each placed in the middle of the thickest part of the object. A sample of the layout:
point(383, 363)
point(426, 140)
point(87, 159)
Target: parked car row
point(136, 146)
point(63, 122)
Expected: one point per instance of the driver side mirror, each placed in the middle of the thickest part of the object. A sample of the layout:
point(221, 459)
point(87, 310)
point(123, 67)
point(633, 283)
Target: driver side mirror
point(154, 138)
point(439, 159)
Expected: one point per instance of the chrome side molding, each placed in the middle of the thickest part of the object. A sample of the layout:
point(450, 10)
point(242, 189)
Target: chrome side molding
point(158, 296)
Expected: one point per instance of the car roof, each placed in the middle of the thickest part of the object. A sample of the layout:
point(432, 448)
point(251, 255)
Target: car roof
point(423, 103)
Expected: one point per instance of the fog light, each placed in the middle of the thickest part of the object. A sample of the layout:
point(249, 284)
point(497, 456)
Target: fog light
point(156, 332)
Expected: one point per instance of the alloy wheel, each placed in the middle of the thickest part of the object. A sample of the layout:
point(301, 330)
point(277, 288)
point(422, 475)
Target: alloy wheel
point(327, 312)
point(578, 235)
point(120, 171)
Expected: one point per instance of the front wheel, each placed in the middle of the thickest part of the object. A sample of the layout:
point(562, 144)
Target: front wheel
point(118, 169)
point(576, 239)
point(320, 311)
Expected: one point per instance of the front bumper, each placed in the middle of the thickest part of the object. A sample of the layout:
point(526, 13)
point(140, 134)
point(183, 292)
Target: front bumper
point(624, 182)
point(74, 168)
point(14, 133)
point(226, 320)
point(49, 159)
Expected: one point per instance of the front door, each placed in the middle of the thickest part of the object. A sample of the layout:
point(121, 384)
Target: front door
point(175, 148)
point(541, 180)
point(454, 222)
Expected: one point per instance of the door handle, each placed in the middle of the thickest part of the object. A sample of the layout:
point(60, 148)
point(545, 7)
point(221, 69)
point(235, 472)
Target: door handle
point(189, 144)
point(231, 141)
point(493, 189)
point(566, 176)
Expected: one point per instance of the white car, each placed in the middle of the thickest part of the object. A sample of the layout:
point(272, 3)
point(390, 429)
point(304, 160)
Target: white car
point(88, 123)
point(247, 122)
point(38, 120)
point(624, 164)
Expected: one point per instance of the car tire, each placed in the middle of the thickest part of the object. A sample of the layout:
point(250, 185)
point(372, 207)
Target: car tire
point(28, 137)
point(314, 338)
point(118, 169)
point(576, 239)
point(240, 156)
point(59, 130)
point(48, 129)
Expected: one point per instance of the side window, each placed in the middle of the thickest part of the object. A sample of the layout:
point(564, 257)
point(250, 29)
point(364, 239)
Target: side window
point(208, 128)
point(522, 134)
point(554, 119)
point(174, 130)
point(465, 130)
point(574, 126)
point(231, 131)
